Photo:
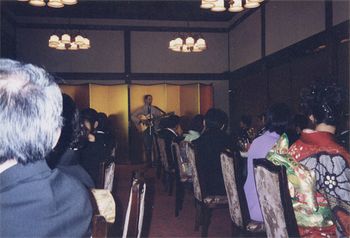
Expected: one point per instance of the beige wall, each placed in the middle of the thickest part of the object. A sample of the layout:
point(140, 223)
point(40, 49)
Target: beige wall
point(150, 54)
point(105, 55)
point(245, 42)
point(288, 22)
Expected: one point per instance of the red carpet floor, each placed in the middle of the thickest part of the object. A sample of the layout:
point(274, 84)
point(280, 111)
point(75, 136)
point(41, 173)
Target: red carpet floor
point(160, 220)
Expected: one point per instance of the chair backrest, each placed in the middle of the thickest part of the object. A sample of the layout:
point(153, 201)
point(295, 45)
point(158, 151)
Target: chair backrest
point(229, 174)
point(196, 185)
point(101, 175)
point(181, 161)
point(162, 152)
point(135, 211)
point(109, 177)
point(99, 223)
point(275, 202)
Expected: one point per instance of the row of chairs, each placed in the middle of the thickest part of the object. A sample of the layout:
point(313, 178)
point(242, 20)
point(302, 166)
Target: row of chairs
point(272, 186)
point(104, 207)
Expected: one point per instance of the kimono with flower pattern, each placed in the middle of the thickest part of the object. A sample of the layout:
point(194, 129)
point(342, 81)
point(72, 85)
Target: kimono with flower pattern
point(330, 162)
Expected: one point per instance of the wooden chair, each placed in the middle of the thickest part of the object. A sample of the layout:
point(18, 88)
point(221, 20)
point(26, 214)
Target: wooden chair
point(167, 173)
point(275, 202)
point(135, 211)
point(100, 225)
point(106, 176)
point(235, 194)
point(204, 204)
point(181, 175)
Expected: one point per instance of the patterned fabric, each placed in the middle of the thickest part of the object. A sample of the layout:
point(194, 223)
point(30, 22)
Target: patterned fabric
point(185, 170)
point(231, 189)
point(109, 177)
point(105, 204)
point(302, 183)
point(267, 185)
point(162, 151)
point(319, 152)
point(196, 185)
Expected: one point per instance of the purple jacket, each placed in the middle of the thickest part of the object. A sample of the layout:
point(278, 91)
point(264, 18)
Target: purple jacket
point(258, 150)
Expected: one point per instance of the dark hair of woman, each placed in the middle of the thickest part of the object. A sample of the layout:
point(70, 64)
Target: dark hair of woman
point(196, 123)
point(323, 102)
point(277, 118)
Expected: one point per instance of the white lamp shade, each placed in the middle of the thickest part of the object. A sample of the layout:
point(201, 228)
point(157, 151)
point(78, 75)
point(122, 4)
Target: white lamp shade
point(186, 49)
point(178, 42)
point(86, 44)
point(61, 46)
point(236, 6)
point(55, 3)
point(207, 5)
point(219, 6)
point(65, 39)
point(259, 1)
point(79, 40)
point(69, 2)
point(73, 46)
point(251, 4)
point(172, 44)
point(37, 3)
point(176, 49)
point(189, 41)
point(196, 48)
point(22, 0)
point(201, 43)
point(54, 41)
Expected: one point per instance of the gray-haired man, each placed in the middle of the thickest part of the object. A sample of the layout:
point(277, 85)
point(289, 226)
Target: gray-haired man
point(34, 200)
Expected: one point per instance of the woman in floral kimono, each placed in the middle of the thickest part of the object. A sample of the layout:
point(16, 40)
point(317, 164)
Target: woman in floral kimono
point(318, 151)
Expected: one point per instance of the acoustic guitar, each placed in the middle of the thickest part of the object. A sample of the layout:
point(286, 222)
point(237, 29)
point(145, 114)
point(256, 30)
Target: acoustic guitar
point(147, 121)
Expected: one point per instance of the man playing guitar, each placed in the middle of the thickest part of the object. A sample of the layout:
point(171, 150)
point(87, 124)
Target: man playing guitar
point(144, 118)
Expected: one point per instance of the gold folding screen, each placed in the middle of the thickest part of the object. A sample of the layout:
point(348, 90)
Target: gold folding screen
point(184, 100)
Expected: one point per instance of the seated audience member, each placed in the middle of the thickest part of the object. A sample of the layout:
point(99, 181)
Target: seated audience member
point(261, 124)
point(246, 134)
point(318, 151)
point(209, 145)
point(103, 131)
point(35, 200)
point(195, 128)
point(276, 124)
point(65, 156)
point(172, 132)
point(95, 150)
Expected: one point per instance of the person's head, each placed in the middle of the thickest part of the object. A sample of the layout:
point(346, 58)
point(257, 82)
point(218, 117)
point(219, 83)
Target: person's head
point(173, 122)
point(196, 123)
point(322, 103)
point(30, 112)
point(89, 118)
point(277, 118)
point(148, 99)
point(300, 122)
point(245, 121)
point(215, 119)
point(102, 122)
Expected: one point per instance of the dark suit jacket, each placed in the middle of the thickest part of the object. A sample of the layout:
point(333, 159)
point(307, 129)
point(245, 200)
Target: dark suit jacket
point(209, 146)
point(38, 202)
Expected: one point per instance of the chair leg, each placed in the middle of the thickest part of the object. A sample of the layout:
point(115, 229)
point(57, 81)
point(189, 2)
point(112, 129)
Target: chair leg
point(170, 184)
point(197, 221)
point(206, 220)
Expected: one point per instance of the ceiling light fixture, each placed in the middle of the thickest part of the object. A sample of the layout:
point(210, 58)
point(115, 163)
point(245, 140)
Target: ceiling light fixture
point(50, 3)
point(232, 5)
point(66, 43)
point(188, 42)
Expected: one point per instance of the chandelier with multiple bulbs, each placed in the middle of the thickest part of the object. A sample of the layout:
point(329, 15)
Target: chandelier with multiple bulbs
point(187, 43)
point(233, 5)
point(66, 42)
point(50, 3)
